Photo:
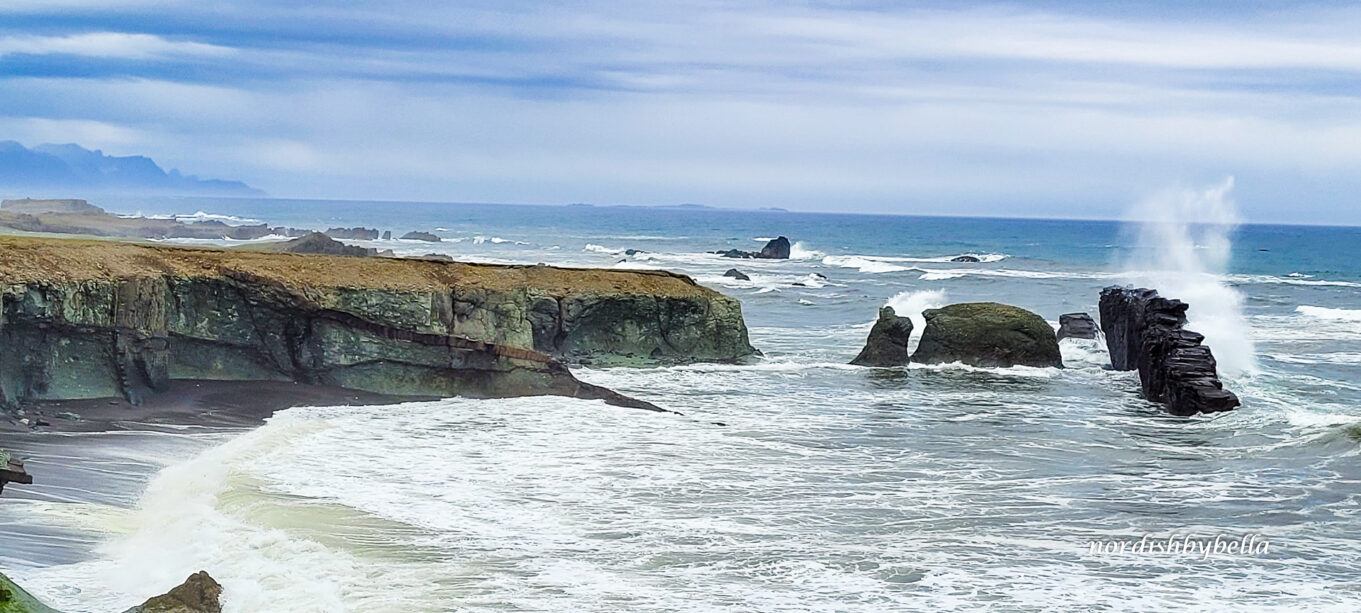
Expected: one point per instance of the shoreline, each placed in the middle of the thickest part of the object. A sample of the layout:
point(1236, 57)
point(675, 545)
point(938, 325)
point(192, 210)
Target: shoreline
point(189, 402)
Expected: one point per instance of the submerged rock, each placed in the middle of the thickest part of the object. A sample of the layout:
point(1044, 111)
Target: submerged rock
point(1145, 332)
point(420, 236)
point(987, 334)
point(887, 342)
point(1076, 325)
point(198, 594)
point(966, 258)
point(736, 274)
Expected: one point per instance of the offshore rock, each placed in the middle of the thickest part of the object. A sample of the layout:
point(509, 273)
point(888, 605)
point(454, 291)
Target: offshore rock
point(357, 233)
point(198, 594)
point(775, 249)
point(887, 342)
point(420, 236)
point(100, 319)
point(736, 274)
point(971, 259)
point(1145, 332)
point(987, 334)
point(1076, 325)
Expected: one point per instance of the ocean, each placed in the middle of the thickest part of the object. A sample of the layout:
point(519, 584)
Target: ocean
point(793, 482)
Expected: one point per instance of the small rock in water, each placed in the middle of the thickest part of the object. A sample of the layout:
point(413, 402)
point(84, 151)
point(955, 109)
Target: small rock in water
point(736, 274)
point(966, 258)
point(887, 342)
point(1076, 325)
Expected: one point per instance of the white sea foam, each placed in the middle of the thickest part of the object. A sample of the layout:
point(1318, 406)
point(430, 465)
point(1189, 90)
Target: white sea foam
point(801, 251)
point(863, 264)
point(601, 249)
point(911, 304)
point(1183, 249)
point(1330, 314)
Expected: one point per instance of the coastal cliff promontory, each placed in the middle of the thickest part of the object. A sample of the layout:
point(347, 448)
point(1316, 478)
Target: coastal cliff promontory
point(95, 319)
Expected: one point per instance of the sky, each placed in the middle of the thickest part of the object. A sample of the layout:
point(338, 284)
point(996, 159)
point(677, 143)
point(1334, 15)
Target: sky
point(1039, 109)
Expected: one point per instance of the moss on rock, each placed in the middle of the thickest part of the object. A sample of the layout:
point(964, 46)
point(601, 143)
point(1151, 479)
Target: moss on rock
point(987, 334)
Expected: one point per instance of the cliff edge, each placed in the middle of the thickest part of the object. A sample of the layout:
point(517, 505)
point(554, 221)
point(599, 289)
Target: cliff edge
point(95, 319)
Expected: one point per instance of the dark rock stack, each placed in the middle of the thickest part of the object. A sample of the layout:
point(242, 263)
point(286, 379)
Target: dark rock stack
point(360, 234)
point(987, 334)
point(1145, 332)
point(887, 342)
point(1076, 325)
point(776, 249)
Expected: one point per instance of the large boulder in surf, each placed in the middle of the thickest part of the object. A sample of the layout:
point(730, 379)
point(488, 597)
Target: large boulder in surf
point(1145, 332)
point(736, 274)
point(987, 334)
point(198, 594)
point(1076, 325)
point(887, 342)
point(776, 249)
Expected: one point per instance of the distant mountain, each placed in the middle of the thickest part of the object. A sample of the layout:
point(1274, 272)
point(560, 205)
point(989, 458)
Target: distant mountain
point(72, 167)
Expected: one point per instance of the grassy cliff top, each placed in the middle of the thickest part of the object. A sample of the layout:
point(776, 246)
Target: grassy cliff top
point(31, 259)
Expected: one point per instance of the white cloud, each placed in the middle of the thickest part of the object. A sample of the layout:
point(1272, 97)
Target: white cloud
point(108, 45)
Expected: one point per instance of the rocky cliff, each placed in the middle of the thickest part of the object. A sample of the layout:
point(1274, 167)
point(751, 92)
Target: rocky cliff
point(1145, 332)
point(92, 319)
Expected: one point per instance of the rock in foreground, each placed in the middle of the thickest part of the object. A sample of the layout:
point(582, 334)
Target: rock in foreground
point(1145, 332)
point(887, 342)
point(987, 334)
point(98, 319)
point(1076, 325)
point(198, 594)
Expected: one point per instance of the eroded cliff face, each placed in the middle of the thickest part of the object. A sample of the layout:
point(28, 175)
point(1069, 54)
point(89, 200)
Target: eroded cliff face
point(89, 319)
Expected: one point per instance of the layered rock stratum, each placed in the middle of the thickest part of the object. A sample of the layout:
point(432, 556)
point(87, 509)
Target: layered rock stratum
point(1145, 332)
point(96, 319)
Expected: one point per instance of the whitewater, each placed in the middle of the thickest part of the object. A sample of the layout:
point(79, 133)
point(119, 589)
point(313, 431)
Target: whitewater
point(794, 482)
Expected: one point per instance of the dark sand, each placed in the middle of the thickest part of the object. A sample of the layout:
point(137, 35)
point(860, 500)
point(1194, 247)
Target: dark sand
point(209, 404)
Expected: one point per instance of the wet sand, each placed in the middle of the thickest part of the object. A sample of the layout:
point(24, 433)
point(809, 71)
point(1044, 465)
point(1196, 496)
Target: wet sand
point(107, 456)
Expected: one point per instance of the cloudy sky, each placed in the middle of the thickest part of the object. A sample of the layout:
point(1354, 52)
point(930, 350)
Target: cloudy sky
point(1026, 109)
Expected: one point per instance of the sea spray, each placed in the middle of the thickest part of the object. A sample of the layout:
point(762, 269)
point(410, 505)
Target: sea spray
point(910, 304)
point(1182, 248)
